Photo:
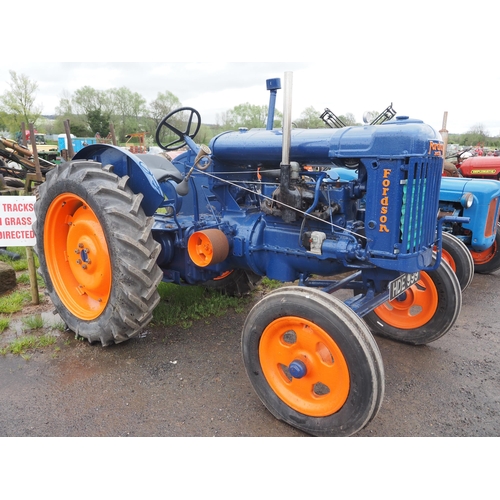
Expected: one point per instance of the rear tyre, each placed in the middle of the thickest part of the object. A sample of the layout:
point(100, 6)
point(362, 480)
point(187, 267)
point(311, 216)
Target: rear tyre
point(488, 261)
point(235, 283)
point(458, 256)
point(313, 362)
point(422, 314)
point(96, 251)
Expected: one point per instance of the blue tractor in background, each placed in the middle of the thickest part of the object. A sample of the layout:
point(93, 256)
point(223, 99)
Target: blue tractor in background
point(111, 225)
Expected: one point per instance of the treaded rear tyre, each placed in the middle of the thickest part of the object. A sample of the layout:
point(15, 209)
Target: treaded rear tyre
point(96, 251)
point(235, 283)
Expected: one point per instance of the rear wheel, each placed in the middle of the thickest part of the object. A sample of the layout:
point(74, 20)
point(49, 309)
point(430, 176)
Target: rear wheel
point(458, 256)
point(235, 283)
point(422, 314)
point(488, 261)
point(313, 362)
point(96, 251)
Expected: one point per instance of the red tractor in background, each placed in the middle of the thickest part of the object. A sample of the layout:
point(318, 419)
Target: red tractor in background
point(482, 167)
point(473, 163)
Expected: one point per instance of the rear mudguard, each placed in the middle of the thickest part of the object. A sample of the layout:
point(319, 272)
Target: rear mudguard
point(141, 180)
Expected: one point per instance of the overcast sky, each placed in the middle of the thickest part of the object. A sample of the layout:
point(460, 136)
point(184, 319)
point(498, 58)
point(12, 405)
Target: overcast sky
point(425, 58)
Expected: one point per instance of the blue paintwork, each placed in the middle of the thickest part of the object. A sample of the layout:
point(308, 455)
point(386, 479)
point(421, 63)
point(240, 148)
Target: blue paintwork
point(472, 232)
point(485, 193)
point(382, 221)
point(125, 163)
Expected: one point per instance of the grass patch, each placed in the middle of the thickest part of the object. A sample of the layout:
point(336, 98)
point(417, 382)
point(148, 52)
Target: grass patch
point(4, 324)
point(271, 284)
point(22, 263)
point(28, 343)
point(14, 302)
point(24, 279)
point(181, 305)
point(33, 322)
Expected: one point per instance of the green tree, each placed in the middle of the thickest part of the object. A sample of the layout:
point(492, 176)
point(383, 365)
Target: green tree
point(164, 103)
point(310, 118)
point(96, 106)
point(128, 108)
point(245, 115)
point(99, 121)
point(19, 102)
point(78, 123)
point(349, 119)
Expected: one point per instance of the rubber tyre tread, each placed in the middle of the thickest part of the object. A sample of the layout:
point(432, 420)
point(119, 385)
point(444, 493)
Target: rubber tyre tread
point(462, 257)
point(352, 336)
point(448, 309)
point(240, 282)
point(494, 263)
point(132, 250)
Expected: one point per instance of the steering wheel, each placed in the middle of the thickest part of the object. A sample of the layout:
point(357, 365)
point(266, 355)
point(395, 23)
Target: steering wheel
point(190, 125)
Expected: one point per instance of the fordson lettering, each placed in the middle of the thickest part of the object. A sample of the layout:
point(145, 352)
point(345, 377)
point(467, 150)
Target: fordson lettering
point(384, 202)
point(436, 148)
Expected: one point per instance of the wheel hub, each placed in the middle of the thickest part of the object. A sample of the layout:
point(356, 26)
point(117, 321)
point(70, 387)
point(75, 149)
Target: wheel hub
point(297, 369)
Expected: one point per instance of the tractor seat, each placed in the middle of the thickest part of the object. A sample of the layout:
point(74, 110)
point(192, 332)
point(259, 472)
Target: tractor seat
point(160, 167)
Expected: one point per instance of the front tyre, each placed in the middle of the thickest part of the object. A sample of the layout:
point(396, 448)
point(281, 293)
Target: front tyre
point(96, 252)
point(422, 314)
point(458, 256)
point(313, 362)
point(488, 261)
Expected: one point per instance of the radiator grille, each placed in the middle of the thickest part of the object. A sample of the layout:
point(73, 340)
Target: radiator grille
point(419, 205)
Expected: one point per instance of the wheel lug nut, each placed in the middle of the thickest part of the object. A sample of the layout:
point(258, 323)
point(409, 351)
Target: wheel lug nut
point(78, 261)
point(84, 266)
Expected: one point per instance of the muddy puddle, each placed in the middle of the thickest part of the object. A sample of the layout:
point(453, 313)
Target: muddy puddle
point(33, 324)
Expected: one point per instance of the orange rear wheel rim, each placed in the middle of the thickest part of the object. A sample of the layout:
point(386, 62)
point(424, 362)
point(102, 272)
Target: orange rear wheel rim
point(414, 308)
point(324, 387)
point(77, 256)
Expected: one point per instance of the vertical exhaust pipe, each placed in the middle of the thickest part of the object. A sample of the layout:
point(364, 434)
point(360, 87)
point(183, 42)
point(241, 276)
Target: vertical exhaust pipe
point(288, 195)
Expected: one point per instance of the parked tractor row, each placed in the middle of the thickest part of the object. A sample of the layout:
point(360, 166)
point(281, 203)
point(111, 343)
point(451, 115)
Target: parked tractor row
point(272, 202)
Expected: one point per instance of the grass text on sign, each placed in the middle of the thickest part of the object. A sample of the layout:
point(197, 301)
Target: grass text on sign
point(17, 214)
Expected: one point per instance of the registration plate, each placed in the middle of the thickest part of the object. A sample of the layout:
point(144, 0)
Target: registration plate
point(402, 283)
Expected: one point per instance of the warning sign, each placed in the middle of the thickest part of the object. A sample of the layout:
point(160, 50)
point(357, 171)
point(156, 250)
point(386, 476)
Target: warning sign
point(17, 214)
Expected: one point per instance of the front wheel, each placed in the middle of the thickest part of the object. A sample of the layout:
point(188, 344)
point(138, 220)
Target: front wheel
point(313, 362)
point(96, 252)
point(488, 261)
point(422, 314)
point(458, 256)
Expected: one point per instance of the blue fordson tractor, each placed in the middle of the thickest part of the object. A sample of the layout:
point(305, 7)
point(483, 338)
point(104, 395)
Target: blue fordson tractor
point(111, 225)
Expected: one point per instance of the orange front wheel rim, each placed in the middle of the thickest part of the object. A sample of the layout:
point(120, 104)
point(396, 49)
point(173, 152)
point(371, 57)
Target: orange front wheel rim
point(77, 256)
point(446, 256)
point(485, 256)
point(412, 309)
point(304, 366)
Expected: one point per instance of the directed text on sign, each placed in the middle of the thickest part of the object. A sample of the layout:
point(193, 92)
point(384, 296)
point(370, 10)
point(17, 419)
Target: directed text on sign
point(17, 214)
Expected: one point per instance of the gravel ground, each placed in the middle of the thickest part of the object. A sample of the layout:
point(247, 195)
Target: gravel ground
point(192, 382)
